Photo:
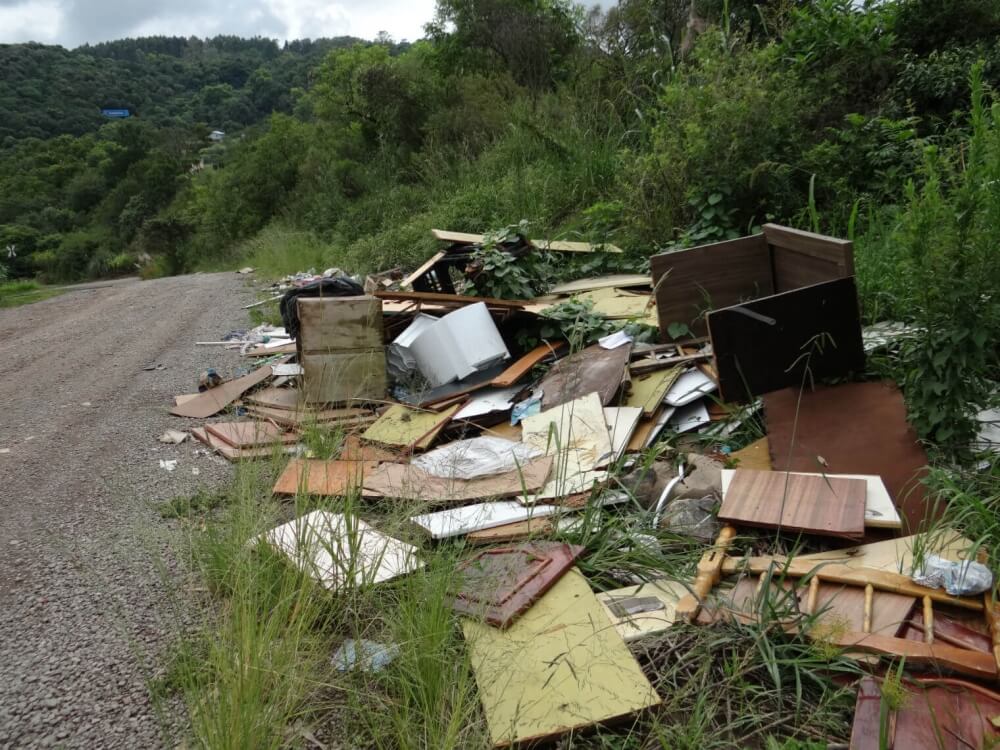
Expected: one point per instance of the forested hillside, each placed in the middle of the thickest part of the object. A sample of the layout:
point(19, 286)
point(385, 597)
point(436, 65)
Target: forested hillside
point(651, 124)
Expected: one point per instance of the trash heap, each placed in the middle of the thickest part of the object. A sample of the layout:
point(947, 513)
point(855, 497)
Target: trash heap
point(507, 441)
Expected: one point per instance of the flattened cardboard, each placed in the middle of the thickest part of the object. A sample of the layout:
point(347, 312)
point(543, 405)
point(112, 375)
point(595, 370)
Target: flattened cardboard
point(216, 399)
point(328, 478)
point(856, 428)
point(767, 344)
point(500, 583)
point(559, 668)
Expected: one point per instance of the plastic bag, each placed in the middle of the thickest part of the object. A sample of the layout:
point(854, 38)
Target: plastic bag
point(966, 578)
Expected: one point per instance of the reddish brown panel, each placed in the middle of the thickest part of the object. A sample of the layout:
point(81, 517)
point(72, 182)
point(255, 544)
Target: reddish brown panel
point(499, 584)
point(314, 477)
point(802, 258)
point(590, 370)
point(855, 428)
point(249, 433)
point(832, 506)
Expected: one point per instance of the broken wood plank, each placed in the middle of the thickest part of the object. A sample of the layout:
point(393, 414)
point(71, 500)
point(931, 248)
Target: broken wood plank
point(328, 478)
point(250, 433)
point(591, 370)
point(231, 453)
point(216, 399)
point(561, 667)
point(456, 300)
point(513, 532)
point(523, 366)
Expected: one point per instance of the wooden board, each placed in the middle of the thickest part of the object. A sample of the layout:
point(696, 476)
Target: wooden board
point(403, 481)
point(230, 453)
point(621, 280)
point(709, 277)
point(523, 366)
point(411, 429)
point(767, 344)
point(451, 300)
point(335, 324)
point(260, 351)
point(802, 258)
point(880, 513)
point(648, 428)
point(857, 428)
point(443, 524)
point(249, 433)
point(216, 399)
point(342, 377)
point(561, 246)
point(513, 532)
point(277, 398)
point(427, 266)
point(315, 477)
point(757, 455)
point(648, 391)
point(633, 626)
point(590, 370)
point(499, 584)
point(560, 667)
point(341, 418)
point(793, 502)
point(897, 555)
point(352, 449)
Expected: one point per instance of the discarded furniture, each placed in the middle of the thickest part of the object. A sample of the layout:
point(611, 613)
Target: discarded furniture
point(341, 349)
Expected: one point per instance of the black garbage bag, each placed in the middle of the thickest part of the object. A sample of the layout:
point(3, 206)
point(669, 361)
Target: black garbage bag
point(337, 287)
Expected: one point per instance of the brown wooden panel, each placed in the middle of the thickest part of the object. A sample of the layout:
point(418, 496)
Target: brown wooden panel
point(249, 433)
point(216, 399)
point(499, 584)
point(333, 324)
point(766, 344)
point(589, 370)
point(802, 258)
point(709, 277)
point(831, 506)
point(315, 477)
point(338, 377)
point(520, 369)
point(857, 428)
point(451, 300)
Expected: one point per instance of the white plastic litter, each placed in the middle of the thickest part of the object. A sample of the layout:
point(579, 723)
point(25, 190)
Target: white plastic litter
point(966, 578)
point(614, 340)
point(476, 457)
point(458, 345)
point(174, 437)
point(169, 465)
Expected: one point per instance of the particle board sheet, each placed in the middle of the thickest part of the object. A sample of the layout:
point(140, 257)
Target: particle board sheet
point(757, 455)
point(342, 418)
point(575, 431)
point(409, 428)
point(337, 550)
point(216, 399)
point(793, 502)
point(333, 324)
point(648, 391)
point(458, 521)
point(499, 584)
point(619, 304)
point(353, 449)
point(328, 478)
point(709, 277)
point(767, 344)
point(231, 453)
point(898, 555)
point(621, 280)
point(406, 482)
point(277, 398)
point(800, 258)
point(591, 370)
point(250, 433)
point(855, 428)
point(560, 667)
point(522, 367)
point(643, 610)
point(880, 513)
point(939, 713)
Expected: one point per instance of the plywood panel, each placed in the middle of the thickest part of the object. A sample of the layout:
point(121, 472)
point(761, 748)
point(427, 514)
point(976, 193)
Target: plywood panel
point(333, 324)
point(857, 428)
point(709, 277)
point(801, 258)
point(766, 345)
point(231, 453)
point(341, 418)
point(216, 399)
point(522, 367)
point(757, 455)
point(794, 502)
point(277, 398)
point(561, 667)
point(249, 433)
point(339, 377)
point(404, 427)
point(590, 370)
point(648, 391)
point(315, 477)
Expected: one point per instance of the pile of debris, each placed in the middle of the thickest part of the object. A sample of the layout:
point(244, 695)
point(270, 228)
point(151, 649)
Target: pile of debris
point(442, 405)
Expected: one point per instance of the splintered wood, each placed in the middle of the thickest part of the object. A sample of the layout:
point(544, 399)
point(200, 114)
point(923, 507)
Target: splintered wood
point(796, 502)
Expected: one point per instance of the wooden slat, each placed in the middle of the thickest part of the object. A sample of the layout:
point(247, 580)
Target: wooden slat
point(456, 300)
point(767, 344)
point(216, 399)
point(329, 478)
point(796, 502)
point(709, 277)
point(427, 266)
point(523, 365)
point(802, 258)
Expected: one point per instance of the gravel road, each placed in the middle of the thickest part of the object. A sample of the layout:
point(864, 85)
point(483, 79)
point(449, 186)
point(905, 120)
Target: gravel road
point(87, 582)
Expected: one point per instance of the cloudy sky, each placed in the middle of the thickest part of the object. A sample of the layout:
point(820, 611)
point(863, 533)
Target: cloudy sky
point(73, 22)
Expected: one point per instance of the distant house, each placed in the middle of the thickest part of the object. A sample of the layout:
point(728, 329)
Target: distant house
point(216, 135)
point(116, 113)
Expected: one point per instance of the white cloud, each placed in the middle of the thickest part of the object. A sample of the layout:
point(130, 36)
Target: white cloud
point(31, 22)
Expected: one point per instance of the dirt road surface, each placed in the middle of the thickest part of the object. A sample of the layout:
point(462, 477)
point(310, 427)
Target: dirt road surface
point(88, 582)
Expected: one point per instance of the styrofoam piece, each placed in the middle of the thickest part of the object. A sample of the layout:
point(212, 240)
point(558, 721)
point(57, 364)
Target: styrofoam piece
point(689, 417)
point(458, 344)
point(488, 401)
point(689, 387)
point(458, 521)
point(476, 457)
point(880, 512)
point(331, 547)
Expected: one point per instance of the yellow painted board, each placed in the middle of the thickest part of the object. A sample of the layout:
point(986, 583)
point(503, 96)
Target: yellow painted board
point(631, 627)
point(405, 427)
point(757, 456)
point(561, 666)
point(897, 555)
point(647, 391)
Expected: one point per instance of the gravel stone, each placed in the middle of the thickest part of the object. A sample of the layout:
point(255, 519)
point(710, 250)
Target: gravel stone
point(88, 572)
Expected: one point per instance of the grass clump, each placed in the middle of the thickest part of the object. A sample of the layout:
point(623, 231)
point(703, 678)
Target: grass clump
point(24, 292)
